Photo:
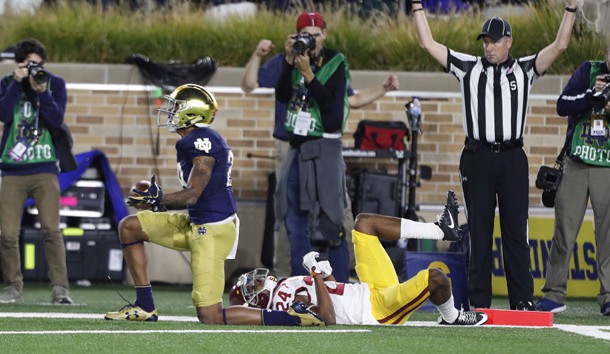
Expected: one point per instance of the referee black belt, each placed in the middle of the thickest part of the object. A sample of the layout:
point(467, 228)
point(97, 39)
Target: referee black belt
point(474, 145)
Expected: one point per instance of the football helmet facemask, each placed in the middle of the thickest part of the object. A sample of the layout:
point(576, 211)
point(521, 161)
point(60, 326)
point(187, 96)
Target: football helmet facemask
point(186, 106)
point(253, 288)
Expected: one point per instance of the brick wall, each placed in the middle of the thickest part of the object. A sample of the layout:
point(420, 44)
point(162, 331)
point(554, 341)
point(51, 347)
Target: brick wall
point(123, 125)
point(121, 121)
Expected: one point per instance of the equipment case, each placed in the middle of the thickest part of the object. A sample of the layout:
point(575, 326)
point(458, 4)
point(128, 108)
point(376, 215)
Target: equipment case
point(94, 255)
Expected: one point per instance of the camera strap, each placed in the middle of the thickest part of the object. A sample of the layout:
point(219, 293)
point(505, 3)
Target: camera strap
point(35, 133)
point(559, 160)
point(315, 64)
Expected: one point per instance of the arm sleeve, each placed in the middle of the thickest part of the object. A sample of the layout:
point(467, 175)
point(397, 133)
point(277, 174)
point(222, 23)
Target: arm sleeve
point(53, 104)
point(9, 96)
point(576, 96)
point(283, 89)
point(269, 73)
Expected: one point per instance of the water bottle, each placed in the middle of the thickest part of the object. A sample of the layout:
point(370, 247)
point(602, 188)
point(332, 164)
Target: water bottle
point(415, 108)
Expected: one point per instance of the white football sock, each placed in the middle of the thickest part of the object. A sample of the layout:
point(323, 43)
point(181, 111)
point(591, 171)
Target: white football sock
point(425, 230)
point(448, 310)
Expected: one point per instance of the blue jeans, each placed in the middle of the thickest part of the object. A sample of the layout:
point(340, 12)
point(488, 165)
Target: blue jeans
point(298, 235)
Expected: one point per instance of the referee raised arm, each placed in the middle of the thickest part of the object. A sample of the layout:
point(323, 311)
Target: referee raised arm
point(493, 166)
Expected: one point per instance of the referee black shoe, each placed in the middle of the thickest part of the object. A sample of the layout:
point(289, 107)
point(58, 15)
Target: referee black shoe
point(526, 306)
point(448, 221)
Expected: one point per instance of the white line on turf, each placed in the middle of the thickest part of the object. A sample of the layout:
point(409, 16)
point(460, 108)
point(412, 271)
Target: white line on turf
point(601, 332)
point(187, 331)
point(85, 315)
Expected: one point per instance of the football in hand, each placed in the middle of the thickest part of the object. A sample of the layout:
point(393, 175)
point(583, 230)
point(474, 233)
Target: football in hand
point(142, 186)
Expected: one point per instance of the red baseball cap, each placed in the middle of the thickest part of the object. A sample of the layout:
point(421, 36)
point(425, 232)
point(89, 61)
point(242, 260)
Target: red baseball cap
point(310, 19)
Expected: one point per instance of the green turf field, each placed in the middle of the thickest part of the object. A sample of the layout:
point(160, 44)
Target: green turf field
point(20, 333)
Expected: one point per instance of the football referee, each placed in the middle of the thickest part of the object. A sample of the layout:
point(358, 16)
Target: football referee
point(493, 166)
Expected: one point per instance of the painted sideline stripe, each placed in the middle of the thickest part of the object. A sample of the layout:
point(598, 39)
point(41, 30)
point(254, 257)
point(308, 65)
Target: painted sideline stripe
point(600, 332)
point(189, 331)
point(95, 316)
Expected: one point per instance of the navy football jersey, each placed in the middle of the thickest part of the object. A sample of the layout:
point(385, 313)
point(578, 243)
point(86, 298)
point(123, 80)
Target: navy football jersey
point(216, 203)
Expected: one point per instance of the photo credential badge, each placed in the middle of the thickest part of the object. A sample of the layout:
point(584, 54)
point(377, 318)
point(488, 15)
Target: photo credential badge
point(301, 127)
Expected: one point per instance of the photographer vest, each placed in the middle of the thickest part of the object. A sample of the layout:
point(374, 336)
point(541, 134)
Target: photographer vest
point(322, 74)
point(590, 143)
point(28, 141)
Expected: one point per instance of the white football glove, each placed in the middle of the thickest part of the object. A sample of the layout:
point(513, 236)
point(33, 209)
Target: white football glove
point(325, 268)
point(310, 263)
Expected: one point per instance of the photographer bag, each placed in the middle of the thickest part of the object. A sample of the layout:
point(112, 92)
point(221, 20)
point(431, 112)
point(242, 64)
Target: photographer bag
point(381, 135)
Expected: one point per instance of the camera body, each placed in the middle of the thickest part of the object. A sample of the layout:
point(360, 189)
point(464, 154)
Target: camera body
point(600, 98)
point(548, 179)
point(37, 71)
point(304, 41)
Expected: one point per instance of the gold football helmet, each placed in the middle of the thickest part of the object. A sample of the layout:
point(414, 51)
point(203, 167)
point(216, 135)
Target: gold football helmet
point(188, 105)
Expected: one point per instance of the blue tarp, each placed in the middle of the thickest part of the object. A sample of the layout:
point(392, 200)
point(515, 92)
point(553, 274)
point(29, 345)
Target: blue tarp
point(113, 189)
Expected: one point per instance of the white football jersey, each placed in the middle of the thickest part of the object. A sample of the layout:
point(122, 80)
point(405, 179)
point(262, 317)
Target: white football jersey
point(351, 301)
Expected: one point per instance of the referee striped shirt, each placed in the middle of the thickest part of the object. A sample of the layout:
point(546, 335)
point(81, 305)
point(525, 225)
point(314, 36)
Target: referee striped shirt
point(495, 96)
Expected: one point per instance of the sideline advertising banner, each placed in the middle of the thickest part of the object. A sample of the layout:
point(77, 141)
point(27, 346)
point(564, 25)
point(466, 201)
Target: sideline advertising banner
point(582, 277)
point(451, 263)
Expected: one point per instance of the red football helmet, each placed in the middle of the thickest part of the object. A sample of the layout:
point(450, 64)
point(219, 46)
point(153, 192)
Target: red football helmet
point(253, 288)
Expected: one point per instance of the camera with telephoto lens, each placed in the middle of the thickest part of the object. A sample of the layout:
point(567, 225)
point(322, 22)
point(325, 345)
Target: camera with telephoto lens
point(600, 98)
point(37, 71)
point(303, 42)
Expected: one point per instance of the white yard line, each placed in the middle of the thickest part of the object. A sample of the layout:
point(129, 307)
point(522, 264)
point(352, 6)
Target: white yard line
point(95, 316)
point(188, 331)
point(600, 332)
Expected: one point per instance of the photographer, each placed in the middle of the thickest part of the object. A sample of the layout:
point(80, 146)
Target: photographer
point(310, 195)
point(32, 102)
point(268, 75)
point(586, 172)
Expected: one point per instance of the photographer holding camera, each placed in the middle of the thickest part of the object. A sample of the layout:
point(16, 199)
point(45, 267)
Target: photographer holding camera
point(310, 194)
point(32, 106)
point(267, 75)
point(586, 176)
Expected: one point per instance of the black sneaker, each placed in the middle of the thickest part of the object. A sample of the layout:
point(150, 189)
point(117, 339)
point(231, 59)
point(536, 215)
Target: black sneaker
point(448, 221)
point(466, 318)
point(526, 306)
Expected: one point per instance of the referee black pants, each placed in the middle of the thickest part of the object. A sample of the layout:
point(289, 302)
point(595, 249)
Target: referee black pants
point(488, 179)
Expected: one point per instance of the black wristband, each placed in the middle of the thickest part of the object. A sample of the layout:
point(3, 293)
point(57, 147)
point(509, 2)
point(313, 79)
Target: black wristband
point(572, 10)
point(416, 2)
point(420, 9)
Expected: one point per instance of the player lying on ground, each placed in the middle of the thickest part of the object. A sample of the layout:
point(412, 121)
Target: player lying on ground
point(380, 298)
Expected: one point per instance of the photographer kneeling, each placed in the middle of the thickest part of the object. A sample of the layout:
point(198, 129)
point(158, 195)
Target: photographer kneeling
point(586, 176)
